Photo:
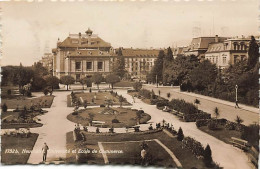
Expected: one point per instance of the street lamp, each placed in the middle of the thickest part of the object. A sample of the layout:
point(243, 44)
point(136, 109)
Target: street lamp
point(157, 80)
point(236, 91)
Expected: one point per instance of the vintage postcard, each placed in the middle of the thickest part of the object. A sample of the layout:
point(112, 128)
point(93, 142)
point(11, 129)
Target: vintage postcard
point(147, 83)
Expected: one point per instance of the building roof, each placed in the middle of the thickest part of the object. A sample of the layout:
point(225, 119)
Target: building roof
point(73, 40)
point(215, 47)
point(203, 42)
point(88, 53)
point(129, 52)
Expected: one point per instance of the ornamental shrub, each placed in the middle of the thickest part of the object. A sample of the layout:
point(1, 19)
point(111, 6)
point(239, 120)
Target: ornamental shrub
point(180, 135)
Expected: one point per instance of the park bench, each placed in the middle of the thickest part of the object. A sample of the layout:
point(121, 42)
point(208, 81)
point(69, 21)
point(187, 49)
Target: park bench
point(242, 144)
point(180, 114)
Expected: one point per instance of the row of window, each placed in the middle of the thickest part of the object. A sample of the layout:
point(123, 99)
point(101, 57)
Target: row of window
point(89, 65)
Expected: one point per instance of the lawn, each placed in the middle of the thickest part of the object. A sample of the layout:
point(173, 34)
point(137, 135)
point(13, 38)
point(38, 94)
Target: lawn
point(131, 150)
point(17, 143)
point(100, 98)
point(11, 120)
point(20, 102)
point(124, 84)
point(126, 117)
point(221, 133)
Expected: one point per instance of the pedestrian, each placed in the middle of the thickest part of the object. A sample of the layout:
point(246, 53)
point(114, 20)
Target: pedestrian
point(133, 99)
point(236, 106)
point(143, 156)
point(45, 148)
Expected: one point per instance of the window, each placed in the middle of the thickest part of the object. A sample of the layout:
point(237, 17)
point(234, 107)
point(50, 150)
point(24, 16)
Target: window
point(100, 65)
point(89, 65)
point(224, 60)
point(78, 65)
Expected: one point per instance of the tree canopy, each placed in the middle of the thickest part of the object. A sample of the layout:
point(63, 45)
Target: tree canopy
point(112, 79)
point(97, 78)
point(67, 80)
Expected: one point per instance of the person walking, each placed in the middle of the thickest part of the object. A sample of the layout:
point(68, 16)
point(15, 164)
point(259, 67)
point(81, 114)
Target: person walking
point(45, 149)
point(236, 106)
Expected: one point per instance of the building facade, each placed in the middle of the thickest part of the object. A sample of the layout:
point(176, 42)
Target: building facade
point(199, 46)
point(83, 55)
point(228, 52)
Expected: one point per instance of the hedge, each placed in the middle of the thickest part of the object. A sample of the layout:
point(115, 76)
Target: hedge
point(194, 146)
point(182, 106)
point(197, 116)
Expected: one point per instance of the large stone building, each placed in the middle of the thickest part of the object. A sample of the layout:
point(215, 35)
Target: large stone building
point(83, 55)
point(199, 45)
point(228, 52)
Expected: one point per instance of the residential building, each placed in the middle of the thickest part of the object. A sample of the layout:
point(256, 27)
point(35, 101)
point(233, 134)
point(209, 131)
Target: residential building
point(47, 61)
point(228, 52)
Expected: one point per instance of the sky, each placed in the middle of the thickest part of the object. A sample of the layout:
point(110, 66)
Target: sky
point(31, 28)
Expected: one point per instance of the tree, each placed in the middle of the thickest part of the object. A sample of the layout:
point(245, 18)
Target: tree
point(112, 79)
point(4, 108)
point(208, 156)
point(119, 65)
point(46, 91)
point(52, 81)
point(139, 115)
point(157, 70)
point(197, 102)
point(180, 134)
point(239, 120)
point(91, 118)
point(137, 86)
point(84, 81)
point(67, 80)
point(97, 79)
point(168, 95)
point(203, 75)
point(121, 100)
point(38, 83)
point(253, 53)
point(169, 55)
point(85, 104)
point(216, 112)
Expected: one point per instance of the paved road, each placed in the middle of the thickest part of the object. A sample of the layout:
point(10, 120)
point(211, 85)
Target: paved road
point(249, 114)
point(54, 129)
point(226, 155)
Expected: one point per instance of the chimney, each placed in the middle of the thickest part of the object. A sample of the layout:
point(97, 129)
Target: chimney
point(216, 39)
point(79, 38)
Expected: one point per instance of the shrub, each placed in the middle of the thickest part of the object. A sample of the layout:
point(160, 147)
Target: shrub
point(154, 101)
point(90, 90)
point(182, 106)
point(180, 135)
point(75, 113)
point(213, 125)
point(4, 107)
point(46, 91)
point(97, 130)
point(194, 146)
point(137, 86)
point(197, 116)
point(28, 93)
point(145, 93)
point(9, 92)
point(250, 133)
point(85, 104)
point(230, 125)
point(168, 95)
point(115, 121)
point(102, 105)
point(202, 122)
point(208, 156)
point(162, 103)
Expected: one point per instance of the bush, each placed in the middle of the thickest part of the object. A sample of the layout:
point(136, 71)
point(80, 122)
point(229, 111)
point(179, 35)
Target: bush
point(115, 121)
point(9, 92)
point(230, 125)
point(194, 146)
point(162, 103)
point(28, 93)
point(182, 106)
point(180, 135)
point(154, 101)
point(250, 133)
point(202, 122)
point(102, 105)
point(75, 113)
point(145, 93)
point(46, 91)
point(212, 125)
point(137, 86)
point(197, 116)
point(4, 107)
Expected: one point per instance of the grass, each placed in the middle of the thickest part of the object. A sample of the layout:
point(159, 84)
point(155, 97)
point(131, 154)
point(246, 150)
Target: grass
point(145, 100)
point(124, 84)
point(132, 151)
point(221, 133)
point(100, 98)
point(126, 117)
point(17, 143)
point(20, 102)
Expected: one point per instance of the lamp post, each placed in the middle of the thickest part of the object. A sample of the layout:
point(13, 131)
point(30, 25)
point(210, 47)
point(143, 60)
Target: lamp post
point(236, 91)
point(157, 80)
